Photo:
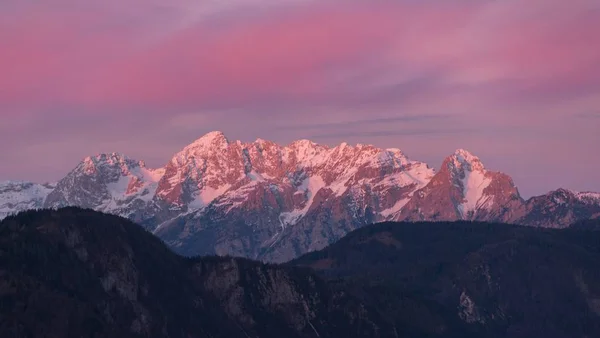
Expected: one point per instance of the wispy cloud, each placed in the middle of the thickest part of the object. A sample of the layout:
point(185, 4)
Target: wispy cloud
point(396, 132)
point(589, 115)
point(365, 122)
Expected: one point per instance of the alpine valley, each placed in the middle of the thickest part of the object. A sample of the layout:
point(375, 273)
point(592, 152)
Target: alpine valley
point(273, 203)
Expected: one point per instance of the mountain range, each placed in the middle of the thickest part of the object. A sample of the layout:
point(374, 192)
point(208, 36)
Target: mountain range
point(265, 201)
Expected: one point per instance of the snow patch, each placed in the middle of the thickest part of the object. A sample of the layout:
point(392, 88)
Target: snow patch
point(147, 181)
point(339, 187)
point(310, 186)
point(474, 184)
point(394, 209)
point(254, 176)
point(589, 197)
point(258, 177)
point(118, 189)
point(468, 310)
point(206, 196)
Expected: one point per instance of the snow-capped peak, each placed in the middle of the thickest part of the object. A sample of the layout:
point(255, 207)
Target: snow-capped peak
point(588, 197)
point(17, 196)
point(465, 160)
point(304, 144)
point(468, 174)
point(561, 194)
point(203, 147)
point(396, 153)
point(110, 158)
point(309, 152)
point(262, 141)
point(91, 164)
point(212, 139)
point(260, 144)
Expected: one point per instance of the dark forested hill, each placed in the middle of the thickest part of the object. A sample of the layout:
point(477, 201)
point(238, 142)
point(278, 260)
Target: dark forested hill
point(79, 273)
point(501, 280)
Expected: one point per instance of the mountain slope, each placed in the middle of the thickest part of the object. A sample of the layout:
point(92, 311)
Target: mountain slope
point(110, 183)
point(464, 190)
point(500, 280)
point(266, 201)
point(242, 199)
point(78, 273)
point(18, 196)
point(74, 273)
point(560, 207)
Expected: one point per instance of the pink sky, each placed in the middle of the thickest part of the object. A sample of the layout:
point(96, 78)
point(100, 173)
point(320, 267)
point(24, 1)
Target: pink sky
point(515, 82)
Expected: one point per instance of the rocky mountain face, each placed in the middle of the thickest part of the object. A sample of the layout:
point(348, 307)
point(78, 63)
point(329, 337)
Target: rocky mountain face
point(498, 279)
point(464, 190)
point(250, 199)
point(561, 207)
point(18, 196)
point(266, 201)
point(110, 183)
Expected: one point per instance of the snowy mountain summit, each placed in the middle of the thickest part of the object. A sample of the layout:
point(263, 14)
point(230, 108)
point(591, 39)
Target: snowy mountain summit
point(17, 196)
point(273, 202)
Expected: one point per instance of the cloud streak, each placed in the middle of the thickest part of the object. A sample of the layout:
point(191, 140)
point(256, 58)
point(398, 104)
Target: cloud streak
point(365, 122)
